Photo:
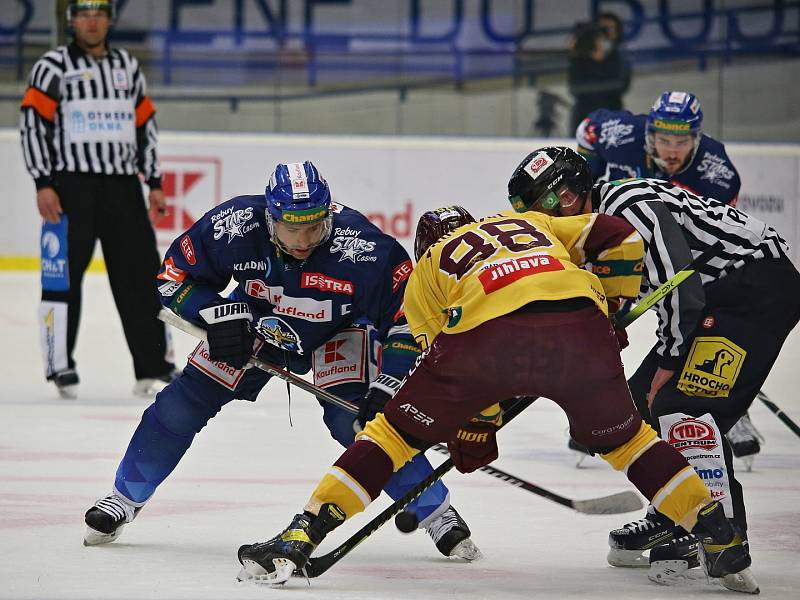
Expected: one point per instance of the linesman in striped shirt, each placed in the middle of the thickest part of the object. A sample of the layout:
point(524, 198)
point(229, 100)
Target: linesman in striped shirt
point(88, 131)
point(719, 332)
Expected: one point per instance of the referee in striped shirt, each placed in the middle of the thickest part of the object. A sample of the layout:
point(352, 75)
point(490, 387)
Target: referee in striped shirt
point(719, 332)
point(88, 131)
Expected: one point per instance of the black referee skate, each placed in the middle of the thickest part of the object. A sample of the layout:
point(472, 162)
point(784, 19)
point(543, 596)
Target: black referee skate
point(627, 544)
point(274, 561)
point(721, 551)
point(105, 520)
point(67, 383)
point(451, 535)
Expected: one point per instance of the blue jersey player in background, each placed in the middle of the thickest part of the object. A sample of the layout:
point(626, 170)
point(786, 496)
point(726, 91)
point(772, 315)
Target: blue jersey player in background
point(667, 143)
point(318, 288)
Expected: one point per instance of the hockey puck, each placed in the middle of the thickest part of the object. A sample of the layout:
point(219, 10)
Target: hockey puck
point(406, 521)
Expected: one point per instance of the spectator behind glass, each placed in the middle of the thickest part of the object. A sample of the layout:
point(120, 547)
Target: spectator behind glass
point(598, 75)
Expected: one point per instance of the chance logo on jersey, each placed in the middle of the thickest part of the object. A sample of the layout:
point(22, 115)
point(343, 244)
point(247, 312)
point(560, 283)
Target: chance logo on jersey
point(278, 332)
point(499, 274)
point(712, 367)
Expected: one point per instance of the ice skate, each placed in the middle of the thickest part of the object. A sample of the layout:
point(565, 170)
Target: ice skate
point(670, 563)
point(580, 452)
point(274, 561)
point(66, 383)
point(105, 520)
point(451, 535)
point(628, 543)
point(149, 387)
point(722, 553)
point(745, 441)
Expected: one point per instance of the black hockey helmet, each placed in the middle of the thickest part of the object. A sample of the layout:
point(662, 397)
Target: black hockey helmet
point(549, 179)
point(435, 224)
point(74, 6)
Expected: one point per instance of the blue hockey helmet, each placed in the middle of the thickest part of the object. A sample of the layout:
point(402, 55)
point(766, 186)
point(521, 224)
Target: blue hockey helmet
point(297, 194)
point(674, 113)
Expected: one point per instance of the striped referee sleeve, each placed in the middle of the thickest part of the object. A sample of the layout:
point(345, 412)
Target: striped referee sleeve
point(666, 253)
point(37, 117)
point(146, 129)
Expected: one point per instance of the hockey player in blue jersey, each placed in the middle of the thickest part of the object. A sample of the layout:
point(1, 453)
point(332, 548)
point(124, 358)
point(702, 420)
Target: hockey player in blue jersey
point(667, 143)
point(319, 288)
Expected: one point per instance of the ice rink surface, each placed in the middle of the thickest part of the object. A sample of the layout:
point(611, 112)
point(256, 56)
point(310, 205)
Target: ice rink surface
point(249, 472)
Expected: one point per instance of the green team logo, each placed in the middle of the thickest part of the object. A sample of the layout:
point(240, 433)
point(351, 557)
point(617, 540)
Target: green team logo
point(453, 315)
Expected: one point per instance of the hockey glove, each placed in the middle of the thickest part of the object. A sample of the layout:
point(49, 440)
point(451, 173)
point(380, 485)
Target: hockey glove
point(475, 444)
point(230, 338)
point(380, 392)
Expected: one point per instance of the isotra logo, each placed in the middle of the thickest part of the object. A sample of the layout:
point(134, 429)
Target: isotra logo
point(692, 433)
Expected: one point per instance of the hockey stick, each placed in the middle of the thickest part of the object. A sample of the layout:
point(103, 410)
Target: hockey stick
point(656, 296)
point(616, 503)
point(317, 565)
point(778, 412)
point(621, 502)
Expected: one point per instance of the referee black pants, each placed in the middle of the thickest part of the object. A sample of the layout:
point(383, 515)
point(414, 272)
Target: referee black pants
point(755, 307)
point(111, 208)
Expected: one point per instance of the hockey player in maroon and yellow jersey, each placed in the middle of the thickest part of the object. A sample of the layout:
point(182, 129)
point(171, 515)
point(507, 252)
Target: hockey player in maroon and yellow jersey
point(503, 308)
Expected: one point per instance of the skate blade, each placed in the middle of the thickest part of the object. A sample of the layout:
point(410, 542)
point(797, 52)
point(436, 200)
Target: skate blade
point(92, 537)
point(68, 392)
point(627, 558)
point(253, 572)
point(743, 581)
point(466, 550)
point(672, 572)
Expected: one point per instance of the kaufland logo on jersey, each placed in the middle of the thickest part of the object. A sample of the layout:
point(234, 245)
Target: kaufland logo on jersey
point(692, 433)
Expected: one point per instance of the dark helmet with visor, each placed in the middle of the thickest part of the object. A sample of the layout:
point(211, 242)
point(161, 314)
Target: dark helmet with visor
point(549, 179)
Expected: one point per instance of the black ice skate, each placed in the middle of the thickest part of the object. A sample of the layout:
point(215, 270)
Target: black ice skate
point(745, 441)
point(452, 536)
point(721, 551)
point(628, 543)
point(581, 452)
point(274, 561)
point(66, 383)
point(670, 562)
point(105, 520)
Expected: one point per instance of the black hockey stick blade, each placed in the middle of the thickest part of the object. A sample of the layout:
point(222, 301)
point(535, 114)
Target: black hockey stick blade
point(779, 413)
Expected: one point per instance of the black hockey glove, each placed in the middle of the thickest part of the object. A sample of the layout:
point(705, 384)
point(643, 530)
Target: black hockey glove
point(230, 338)
point(380, 392)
